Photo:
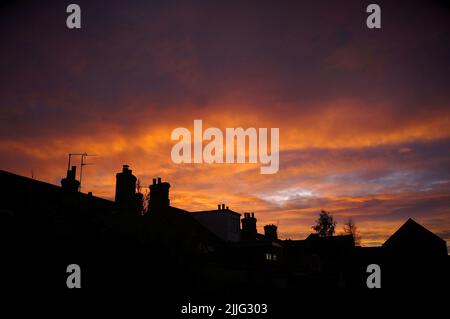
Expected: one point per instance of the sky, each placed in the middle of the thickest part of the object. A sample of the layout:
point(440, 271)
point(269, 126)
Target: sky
point(363, 114)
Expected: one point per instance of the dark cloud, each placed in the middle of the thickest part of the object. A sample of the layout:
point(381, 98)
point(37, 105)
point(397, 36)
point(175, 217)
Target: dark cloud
point(262, 54)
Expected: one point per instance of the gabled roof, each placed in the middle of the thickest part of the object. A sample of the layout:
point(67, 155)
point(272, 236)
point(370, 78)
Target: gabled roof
point(412, 230)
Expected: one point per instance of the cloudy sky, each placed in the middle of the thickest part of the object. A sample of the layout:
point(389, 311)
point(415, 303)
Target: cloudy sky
point(363, 114)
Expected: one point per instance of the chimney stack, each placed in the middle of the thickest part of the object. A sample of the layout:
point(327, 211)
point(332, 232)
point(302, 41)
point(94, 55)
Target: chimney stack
point(69, 183)
point(126, 197)
point(270, 231)
point(159, 196)
point(249, 230)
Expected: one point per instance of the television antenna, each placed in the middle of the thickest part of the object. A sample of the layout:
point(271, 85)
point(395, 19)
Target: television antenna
point(82, 163)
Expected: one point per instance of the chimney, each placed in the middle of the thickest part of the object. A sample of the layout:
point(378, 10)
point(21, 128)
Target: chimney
point(125, 184)
point(218, 207)
point(270, 231)
point(249, 231)
point(126, 189)
point(69, 183)
point(159, 196)
point(223, 206)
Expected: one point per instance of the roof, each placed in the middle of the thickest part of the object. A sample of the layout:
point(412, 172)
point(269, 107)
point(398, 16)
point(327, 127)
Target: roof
point(181, 221)
point(216, 211)
point(409, 230)
point(25, 196)
point(24, 191)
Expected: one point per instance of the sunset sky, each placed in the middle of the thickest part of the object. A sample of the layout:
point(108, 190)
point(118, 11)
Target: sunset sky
point(363, 114)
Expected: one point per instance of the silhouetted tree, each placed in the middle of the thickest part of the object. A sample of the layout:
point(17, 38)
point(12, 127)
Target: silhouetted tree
point(146, 201)
point(350, 228)
point(325, 224)
point(138, 186)
point(140, 197)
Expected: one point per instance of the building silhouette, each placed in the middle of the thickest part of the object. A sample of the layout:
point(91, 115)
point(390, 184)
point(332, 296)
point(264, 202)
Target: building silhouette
point(223, 222)
point(173, 249)
point(414, 239)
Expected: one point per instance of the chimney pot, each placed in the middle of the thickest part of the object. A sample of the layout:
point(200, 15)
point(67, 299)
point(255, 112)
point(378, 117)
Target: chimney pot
point(218, 207)
point(223, 206)
point(154, 181)
point(159, 180)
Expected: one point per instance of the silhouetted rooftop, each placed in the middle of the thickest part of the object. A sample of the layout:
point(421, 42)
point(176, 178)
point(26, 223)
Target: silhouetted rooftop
point(412, 229)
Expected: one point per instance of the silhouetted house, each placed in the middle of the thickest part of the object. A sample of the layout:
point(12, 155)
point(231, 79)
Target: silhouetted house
point(171, 223)
point(254, 249)
point(44, 221)
point(261, 247)
point(414, 257)
point(326, 260)
point(223, 222)
point(415, 240)
point(30, 200)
